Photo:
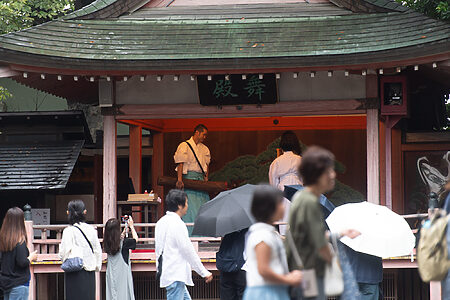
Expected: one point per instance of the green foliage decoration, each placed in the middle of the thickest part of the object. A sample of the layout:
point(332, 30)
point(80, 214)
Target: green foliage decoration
point(251, 169)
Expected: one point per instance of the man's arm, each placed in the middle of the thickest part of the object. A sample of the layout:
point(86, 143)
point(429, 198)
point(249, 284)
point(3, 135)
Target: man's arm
point(180, 185)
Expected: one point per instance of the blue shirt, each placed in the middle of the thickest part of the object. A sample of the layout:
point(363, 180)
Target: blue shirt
point(367, 268)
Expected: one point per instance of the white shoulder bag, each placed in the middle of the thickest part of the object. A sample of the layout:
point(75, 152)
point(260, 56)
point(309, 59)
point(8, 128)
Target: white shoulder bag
point(334, 278)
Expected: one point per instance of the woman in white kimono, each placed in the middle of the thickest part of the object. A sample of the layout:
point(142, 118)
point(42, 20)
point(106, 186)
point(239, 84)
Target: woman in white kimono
point(283, 170)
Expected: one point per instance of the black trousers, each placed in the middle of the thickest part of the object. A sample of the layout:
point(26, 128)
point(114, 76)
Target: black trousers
point(232, 285)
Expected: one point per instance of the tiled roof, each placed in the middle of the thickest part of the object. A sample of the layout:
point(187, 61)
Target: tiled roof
point(37, 165)
point(226, 36)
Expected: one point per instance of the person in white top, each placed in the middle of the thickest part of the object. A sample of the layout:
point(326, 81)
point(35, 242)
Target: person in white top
point(283, 170)
point(192, 159)
point(268, 276)
point(179, 257)
point(81, 284)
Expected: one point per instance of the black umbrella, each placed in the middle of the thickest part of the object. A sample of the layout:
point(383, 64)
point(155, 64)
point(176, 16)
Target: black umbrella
point(327, 206)
point(227, 212)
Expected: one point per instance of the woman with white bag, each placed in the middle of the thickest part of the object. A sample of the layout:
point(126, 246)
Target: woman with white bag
point(307, 227)
point(81, 254)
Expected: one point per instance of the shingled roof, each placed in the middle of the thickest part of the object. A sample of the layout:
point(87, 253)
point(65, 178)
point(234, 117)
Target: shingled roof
point(116, 35)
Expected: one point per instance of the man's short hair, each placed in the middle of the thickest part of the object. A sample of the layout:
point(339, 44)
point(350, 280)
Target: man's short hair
point(200, 128)
point(174, 199)
point(315, 162)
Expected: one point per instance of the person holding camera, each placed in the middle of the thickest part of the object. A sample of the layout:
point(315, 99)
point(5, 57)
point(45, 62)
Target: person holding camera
point(119, 279)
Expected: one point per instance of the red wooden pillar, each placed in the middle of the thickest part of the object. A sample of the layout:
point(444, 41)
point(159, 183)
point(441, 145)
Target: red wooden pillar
point(135, 157)
point(158, 165)
point(373, 138)
point(109, 168)
point(135, 163)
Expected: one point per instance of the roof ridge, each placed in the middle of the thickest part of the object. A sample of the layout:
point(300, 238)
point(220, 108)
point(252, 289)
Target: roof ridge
point(101, 9)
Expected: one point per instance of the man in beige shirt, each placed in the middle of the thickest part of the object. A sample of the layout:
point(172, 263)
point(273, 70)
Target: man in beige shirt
point(192, 159)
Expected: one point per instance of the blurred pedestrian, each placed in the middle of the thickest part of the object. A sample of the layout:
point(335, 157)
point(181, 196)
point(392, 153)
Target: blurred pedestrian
point(175, 251)
point(284, 169)
point(80, 240)
point(368, 270)
point(14, 256)
point(230, 261)
point(119, 279)
point(268, 277)
point(306, 217)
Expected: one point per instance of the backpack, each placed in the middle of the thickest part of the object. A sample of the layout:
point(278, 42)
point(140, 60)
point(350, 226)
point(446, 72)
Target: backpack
point(432, 254)
point(230, 257)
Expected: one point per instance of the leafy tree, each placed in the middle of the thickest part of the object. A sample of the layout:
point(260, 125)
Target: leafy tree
point(438, 9)
point(20, 14)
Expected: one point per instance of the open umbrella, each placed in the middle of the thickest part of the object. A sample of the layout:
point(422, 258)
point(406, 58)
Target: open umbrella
point(227, 212)
point(327, 206)
point(383, 232)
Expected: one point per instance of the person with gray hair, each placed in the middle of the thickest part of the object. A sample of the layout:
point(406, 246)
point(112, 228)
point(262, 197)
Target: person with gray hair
point(175, 254)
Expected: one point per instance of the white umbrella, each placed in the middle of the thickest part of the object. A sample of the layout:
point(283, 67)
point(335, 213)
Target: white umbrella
point(383, 232)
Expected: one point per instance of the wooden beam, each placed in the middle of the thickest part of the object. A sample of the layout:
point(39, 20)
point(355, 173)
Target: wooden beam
point(158, 165)
point(109, 168)
point(294, 108)
point(256, 124)
point(135, 157)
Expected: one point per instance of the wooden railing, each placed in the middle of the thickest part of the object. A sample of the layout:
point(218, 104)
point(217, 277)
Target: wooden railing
point(48, 260)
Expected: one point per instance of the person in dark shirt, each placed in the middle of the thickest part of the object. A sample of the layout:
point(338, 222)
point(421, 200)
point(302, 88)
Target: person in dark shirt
point(368, 272)
point(14, 256)
point(119, 279)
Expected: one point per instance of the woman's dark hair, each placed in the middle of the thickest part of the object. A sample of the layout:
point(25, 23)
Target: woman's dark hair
point(264, 203)
point(289, 142)
point(76, 210)
point(13, 230)
point(111, 237)
point(315, 162)
point(200, 128)
point(175, 198)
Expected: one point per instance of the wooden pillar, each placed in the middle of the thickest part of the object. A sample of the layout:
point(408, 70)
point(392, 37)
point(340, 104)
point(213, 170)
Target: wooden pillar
point(135, 157)
point(373, 138)
point(435, 290)
point(390, 122)
point(98, 188)
point(43, 291)
point(158, 165)
point(373, 157)
point(109, 168)
point(30, 237)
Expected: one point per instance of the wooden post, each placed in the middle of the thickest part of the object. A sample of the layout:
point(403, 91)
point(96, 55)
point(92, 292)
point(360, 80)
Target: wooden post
point(390, 122)
point(98, 286)
point(373, 157)
point(30, 236)
point(435, 290)
point(135, 157)
point(373, 138)
point(135, 164)
point(98, 188)
point(158, 165)
point(109, 168)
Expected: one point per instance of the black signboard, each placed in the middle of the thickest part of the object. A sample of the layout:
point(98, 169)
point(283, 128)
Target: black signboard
point(233, 90)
